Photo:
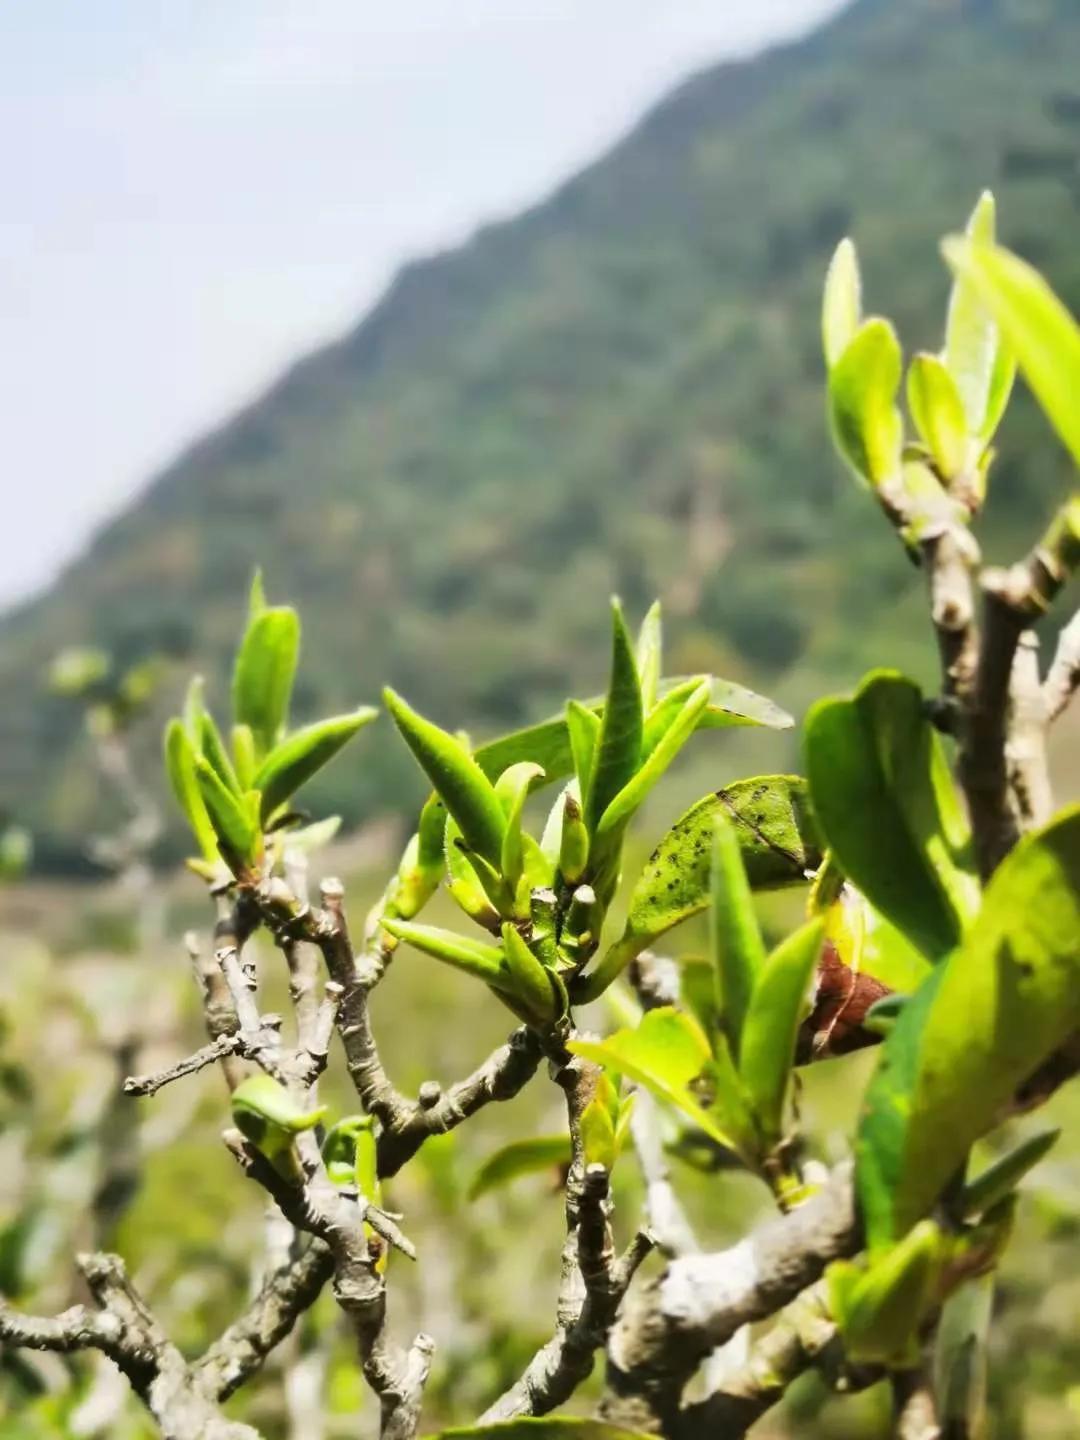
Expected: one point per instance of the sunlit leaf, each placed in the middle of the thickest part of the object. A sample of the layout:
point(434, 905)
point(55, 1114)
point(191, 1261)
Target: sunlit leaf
point(862, 402)
point(778, 841)
point(303, 754)
point(973, 346)
point(938, 413)
point(777, 1005)
point(264, 673)
point(1040, 329)
point(464, 788)
point(841, 311)
point(977, 1028)
point(889, 810)
point(180, 762)
point(618, 745)
point(738, 951)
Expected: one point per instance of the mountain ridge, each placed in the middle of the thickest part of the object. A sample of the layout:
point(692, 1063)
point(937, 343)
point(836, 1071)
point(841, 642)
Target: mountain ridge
point(583, 398)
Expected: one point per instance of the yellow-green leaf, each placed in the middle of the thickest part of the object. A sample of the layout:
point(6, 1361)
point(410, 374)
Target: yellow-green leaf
point(862, 403)
point(841, 311)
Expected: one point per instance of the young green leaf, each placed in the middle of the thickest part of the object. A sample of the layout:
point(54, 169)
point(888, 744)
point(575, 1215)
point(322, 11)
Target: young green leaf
point(512, 788)
point(548, 744)
point(573, 841)
point(978, 1028)
point(464, 788)
point(776, 1008)
point(886, 802)
point(650, 645)
point(1037, 325)
point(256, 595)
point(243, 752)
point(238, 835)
point(180, 761)
point(194, 709)
point(623, 806)
point(294, 761)
point(598, 1134)
point(618, 745)
point(529, 981)
point(422, 863)
point(583, 730)
point(1001, 1176)
point(862, 403)
point(841, 312)
point(486, 962)
point(667, 1053)
point(541, 1153)
point(879, 1309)
point(938, 413)
point(264, 672)
point(212, 749)
point(973, 345)
point(269, 1117)
point(778, 841)
point(738, 951)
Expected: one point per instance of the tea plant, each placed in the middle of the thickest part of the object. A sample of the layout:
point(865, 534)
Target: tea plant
point(942, 924)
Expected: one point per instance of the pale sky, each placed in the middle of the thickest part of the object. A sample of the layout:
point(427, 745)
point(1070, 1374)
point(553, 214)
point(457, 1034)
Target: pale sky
point(194, 192)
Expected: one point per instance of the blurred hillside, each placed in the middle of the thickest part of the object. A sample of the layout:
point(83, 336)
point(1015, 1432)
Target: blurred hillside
point(619, 390)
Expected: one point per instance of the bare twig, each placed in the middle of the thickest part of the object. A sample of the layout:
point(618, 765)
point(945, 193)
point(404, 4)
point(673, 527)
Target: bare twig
point(284, 1296)
point(123, 1328)
point(219, 1049)
point(592, 1281)
point(666, 1329)
point(1027, 763)
point(799, 1338)
point(1063, 677)
point(949, 558)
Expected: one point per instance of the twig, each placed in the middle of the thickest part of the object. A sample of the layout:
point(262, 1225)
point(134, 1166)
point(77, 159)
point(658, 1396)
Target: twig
point(914, 1411)
point(666, 1329)
point(798, 1339)
point(1013, 600)
point(219, 1049)
point(284, 1296)
point(592, 1281)
point(124, 1329)
point(949, 558)
point(1027, 763)
point(1063, 677)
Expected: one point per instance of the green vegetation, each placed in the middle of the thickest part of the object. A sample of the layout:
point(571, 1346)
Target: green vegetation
point(617, 392)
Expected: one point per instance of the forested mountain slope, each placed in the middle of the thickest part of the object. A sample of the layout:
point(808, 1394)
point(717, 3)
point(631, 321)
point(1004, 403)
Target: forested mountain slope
point(620, 390)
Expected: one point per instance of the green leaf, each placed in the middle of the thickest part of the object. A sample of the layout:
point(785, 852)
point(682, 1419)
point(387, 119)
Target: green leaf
point(841, 312)
point(422, 863)
point(618, 745)
point(212, 749)
point(269, 1117)
point(243, 749)
point(583, 730)
point(624, 805)
point(512, 788)
point(560, 1427)
point(667, 1053)
point(879, 1309)
point(573, 841)
point(738, 951)
point(598, 1134)
point(548, 744)
point(888, 807)
point(238, 835)
point(257, 594)
point(180, 761)
point(264, 672)
point(650, 646)
point(530, 983)
point(195, 709)
point(776, 1009)
point(973, 346)
point(1039, 328)
point(1002, 379)
point(778, 840)
point(978, 1027)
point(1001, 1176)
point(294, 761)
point(862, 403)
point(464, 788)
point(520, 1157)
point(486, 962)
point(938, 413)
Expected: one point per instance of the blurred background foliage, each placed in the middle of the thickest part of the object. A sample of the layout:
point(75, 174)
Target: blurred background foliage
point(620, 390)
